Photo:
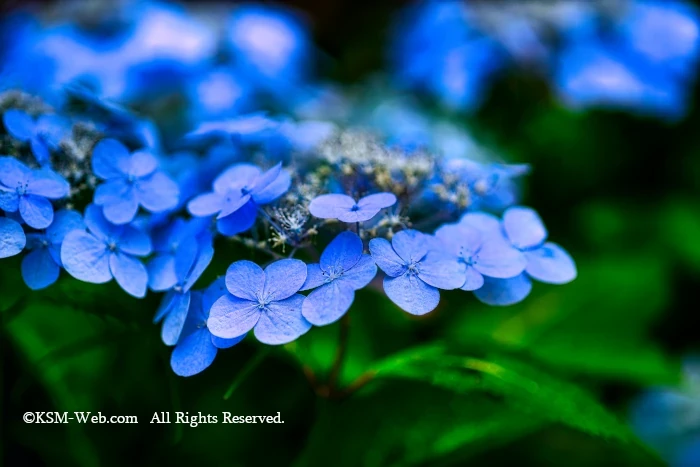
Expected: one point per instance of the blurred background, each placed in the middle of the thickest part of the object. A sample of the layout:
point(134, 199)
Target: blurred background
point(600, 98)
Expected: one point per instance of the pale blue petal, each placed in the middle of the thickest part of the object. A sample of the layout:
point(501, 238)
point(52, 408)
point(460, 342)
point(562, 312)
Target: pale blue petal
point(108, 159)
point(314, 277)
point(411, 294)
point(245, 280)
point(123, 210)
point(134, 241)
point(284, 278)
point(194, 354)
point(220, 343)
point(157, 192)
point(524, 227)
point(231, 317)
point(473, 279)
point(498, 259)
point(410, 245)
point(39, 270)
point(233, 201)
point(85, 257)
point(12, 238)
point(36, 211)
point(487, 224)
point(274, 190)
point(47, 183)
point(266, 178)
point(361, 274)
point(18, 124)
point(240, 221)
point(442, 270)
point(550, 263)
point(342, 253)
point(377, 201)
point(161, 273)
point(130, 274)
point(207, 204)
point(13, 173)
point(328, 303)
point(64, 221)
point(386, 258)
point(503, 292)
point(331, 206)
point(459, 240)
point(175, 319)
point(141, 164)
point(236, 176)
point(282, 322)
point(112, 191)
point(357, 215)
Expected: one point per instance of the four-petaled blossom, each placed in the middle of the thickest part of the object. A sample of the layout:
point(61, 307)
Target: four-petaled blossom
point(42, 134)
point(190, 260)
point(342, 270)
point(346, 209)
point(415, 272)
point(197, 346)
point(29, 191)
point(237, 193)
point(266, 301)
point(131, 180)
point(107, 251)
point(42, 265)
point(12, 238)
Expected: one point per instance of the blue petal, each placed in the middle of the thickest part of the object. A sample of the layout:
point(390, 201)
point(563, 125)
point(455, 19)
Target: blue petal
point(314, 277)
point(361, 274)
point(40, 150)
point(236, 176)
point(386, 258)
point(245, 280)
point(284, 278)
point(442, 270)
point(356, 214)
point(550, 263)
point(220, 343)
point(98, 225)
point(459, 240)
point(111, 191)
point(282, 322)
point(523, 227)
point(204, 256)
point(13, 173)
point(122, 210)
point(497, 258)
point(193, 354)
point(234, 201)
point(130, 274)
point(166, 304)
point(85, 257)
point(342, 253)
point(39, 270)
point(47, 183)
point(158, 192)
point(487, 224)
point(411, 294)
point(12, 238)
point(377, 201)
point(18, 124)
point(274, 190)
point(331, 206)
point(266, 178)
point(64, 221)
point(36, 211)
point(175, 318)
point(231, 316)
point(410, 245)
point(207, 204)
point(161, 273)
point(473, 279)
point(503, 292)
point(240, 221)
point(185, 257)
point(328, 303)
point(216, 290)
point(109, 158)
point(133, 241)
point(140, 164)
point(9, 200)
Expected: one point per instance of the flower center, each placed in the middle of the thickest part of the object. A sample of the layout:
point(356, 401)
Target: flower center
point(263, 300)
point(355, 208)
point(332, 273)
point(245, 190)
point(112, 246)
point(22, 189)
point(413, 268)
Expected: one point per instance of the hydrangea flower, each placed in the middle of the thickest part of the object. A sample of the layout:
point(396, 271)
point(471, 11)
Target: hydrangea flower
point(483, 256)
point(42, 265)
point(29, 191)
point(266, 301)
point(107, 251)
point(346, 209)
point(190, 260)
point(131, 180)
point(12, 238)
point(236, 196)
point(197, 346)
point(414, 272)
point(42, 134)
point(342, 270)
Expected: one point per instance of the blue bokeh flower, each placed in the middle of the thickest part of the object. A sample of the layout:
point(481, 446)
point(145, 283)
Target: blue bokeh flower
point(29, 191)
point(42, 134)
point(107, 251)
point(414, 273)
point(197, 346)
point(42, 265)
point(346, 209)
point(342, 270)
point(237, 194)
point(12, 238)
point(266, 301)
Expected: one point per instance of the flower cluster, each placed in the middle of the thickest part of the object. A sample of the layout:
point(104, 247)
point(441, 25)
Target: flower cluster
point(88, 187)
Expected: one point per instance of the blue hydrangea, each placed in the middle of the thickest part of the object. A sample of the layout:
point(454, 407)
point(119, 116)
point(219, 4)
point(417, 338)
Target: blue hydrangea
point(264, 300)
point(42, 134)
point(12, 238)
point(414, 271)
point(190, 260)
point(237, 194)
point(197, 346)
point(29, 191)
point(342, 270)
point(346, 209)
point(131, 180)
point(42, 265)
point(107, 251)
